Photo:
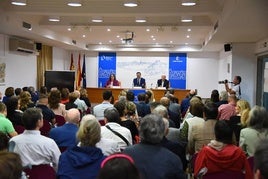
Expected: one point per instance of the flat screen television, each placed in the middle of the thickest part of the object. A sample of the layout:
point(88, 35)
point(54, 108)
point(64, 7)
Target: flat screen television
point(60, 79)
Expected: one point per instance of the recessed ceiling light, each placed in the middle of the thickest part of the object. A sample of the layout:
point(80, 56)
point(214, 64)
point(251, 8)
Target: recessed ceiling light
point(19, 2)
point(186, 43)
point(189, 30)
point(131, 3)
point(54, 19)
point(69, 29)
point(97, 19)
point(140, 20)
point(84, 36)
point(188, 2)
point(74, 3)
point(186, 19)
point(152, 36)
point(171, 41)
point(154, 39)
point(188, 36)
point(100, 43)
point(148, 30)
point(108, 29)
point(110, 41)
point(118, 36)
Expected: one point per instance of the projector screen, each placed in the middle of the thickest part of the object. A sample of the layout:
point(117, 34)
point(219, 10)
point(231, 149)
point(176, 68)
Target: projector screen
point(60, 79)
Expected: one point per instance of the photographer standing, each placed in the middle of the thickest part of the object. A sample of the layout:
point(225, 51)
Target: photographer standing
point(235, 90)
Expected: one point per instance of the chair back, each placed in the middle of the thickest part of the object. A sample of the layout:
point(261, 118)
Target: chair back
point(19, 129)
point(46, 128)
point(60, 120)
point(225, 175)
point(251, 163)
point(40, 172)
point(102, 122)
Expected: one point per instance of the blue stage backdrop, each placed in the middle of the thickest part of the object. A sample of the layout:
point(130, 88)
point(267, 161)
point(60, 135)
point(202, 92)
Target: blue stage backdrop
point(177, 70)
point(107, 65)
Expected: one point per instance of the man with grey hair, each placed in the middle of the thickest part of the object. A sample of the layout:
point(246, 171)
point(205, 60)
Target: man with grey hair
point(223, 98)
point(65, 135)
point(152, 160)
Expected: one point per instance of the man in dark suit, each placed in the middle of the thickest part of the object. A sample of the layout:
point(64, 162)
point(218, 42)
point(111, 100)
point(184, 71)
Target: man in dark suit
point(139, 81)
point(163, 82)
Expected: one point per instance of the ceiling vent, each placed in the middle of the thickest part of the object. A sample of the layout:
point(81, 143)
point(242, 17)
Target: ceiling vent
point(21, 45)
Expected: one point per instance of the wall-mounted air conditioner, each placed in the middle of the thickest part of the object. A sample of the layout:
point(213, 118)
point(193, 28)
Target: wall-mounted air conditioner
point(21, 45)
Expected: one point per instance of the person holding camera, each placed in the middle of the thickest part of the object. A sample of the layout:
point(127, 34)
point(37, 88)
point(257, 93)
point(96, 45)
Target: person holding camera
point(235, 89)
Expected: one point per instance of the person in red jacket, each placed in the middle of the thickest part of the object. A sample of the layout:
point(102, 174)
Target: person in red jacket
point(221, 155)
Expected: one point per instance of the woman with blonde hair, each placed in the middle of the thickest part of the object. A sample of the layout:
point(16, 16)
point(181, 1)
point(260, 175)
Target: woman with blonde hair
point(83, 161)
point(25, 100)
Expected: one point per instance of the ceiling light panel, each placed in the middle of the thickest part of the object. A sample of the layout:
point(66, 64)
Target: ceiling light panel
point(74, 3)
point(19, 2)
point(188, 2)
point(130, 3)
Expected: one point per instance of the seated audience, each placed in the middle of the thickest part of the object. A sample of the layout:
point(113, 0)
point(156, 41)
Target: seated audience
point(33, 148)
point(227, 110)
point(33, 93)
point(142, 108)
point(202, 134)
point(261, 160)
point(221, 155)
point(214, 96)
point(112, 81)
point(131, 112)
point(70, 104)
point(81, 105)
point(14, 114)
point(162, 111)
point(5, 124)
point(119, 166)
point(98, 110)
point(18, 91)
point(108, 146)
point(64, 95)
point(84, 97)
point(3, 142)
point(149, 96)
point(113, 129)
point(174, 105)
point(223, 98)
point(64, 135)
point(8, 93)
point(256, 130)
point(10, 166)
point(26, 101)
point(185, 103)
point(152, 160)
point(83, 161)
point(47, 113)
point(125, 122)
point(54, 103)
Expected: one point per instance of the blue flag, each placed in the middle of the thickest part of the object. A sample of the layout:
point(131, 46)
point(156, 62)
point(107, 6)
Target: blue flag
point(84, 73)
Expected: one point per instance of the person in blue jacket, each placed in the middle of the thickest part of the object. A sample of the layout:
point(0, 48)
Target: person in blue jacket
point(83, 161)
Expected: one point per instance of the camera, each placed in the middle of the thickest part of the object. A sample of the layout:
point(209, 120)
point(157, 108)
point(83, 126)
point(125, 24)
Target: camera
point(223, 81)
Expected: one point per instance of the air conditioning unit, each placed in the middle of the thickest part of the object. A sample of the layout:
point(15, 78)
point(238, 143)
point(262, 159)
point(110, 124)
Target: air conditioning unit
point(21, 45)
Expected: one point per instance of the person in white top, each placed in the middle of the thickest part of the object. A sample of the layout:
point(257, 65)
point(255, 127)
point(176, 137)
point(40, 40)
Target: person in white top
point(98, 110)
point(235, 89)
point(33, 148)
point(112, 126)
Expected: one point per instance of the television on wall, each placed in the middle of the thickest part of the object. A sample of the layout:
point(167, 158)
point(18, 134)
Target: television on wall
point(60, 79)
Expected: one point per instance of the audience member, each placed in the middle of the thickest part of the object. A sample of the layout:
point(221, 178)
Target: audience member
point(33, 148)
point(112, 81)
point(142, 108)
point(34, 94)
point(43, 90)
point(149, 96)
point(185, 103)
point(14, 114)
point(64, 95)
point(256, 130)
point(152, 160)
point(8, 93)
point(175, 117)
point(202, 134)
point(227, 110)
point(162, 111)
point(196, 109)
point(84, 97)
point(18, 91)
point(175, 147)
point(83, 161)
point(81, 105)
point(70, 104)
point(108, 146)
point(163, 82)
point(5, 124)
point(64, 135)
point(113, 129)
point(139, 81)
point(47, 113)
point(3, 141)
point(119, 166)
point(10, 166)
point(241, 119)
point(125, 122)
point(215, 97)
point(223, 98)
point(98, 110)
point(131, 112)
point(174, 106)
point(261, 160)
point(26, 101)
point(130, 96)
point(54, 103)
point(221, 155)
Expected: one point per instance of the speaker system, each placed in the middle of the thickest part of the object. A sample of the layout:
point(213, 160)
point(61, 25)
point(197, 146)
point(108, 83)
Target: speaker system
point(39, 46)
point(227, 47)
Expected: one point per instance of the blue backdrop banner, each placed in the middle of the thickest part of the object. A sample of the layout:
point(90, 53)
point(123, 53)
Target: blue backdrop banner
point(107, 65)
point(177, 70)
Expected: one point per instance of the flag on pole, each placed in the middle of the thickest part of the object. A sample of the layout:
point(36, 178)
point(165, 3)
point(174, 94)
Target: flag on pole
point(84, 72)
point(72, 62)
point(78, 74)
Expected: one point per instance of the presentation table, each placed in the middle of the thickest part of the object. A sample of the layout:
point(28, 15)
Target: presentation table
point(95, 94)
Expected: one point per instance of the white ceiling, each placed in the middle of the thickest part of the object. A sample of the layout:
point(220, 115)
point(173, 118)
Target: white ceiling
point(238, 21)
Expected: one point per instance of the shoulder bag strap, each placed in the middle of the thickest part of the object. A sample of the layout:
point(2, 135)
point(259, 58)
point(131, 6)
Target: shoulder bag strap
point(118, 134)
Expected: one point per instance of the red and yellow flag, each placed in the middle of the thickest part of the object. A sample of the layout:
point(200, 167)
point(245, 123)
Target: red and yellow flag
point(72, 62)
point(78, 74)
